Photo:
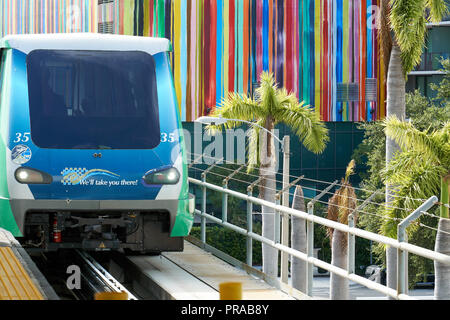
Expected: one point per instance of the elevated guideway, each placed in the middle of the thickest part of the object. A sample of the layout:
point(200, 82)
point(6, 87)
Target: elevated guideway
point(194, 274)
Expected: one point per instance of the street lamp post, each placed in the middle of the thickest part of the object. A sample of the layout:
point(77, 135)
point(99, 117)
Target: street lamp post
point(285, 148)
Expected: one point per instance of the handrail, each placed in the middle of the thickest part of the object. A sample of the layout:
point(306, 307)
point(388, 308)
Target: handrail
point(403, 246)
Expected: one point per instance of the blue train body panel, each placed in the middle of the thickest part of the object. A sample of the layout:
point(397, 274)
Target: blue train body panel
point(118, 173)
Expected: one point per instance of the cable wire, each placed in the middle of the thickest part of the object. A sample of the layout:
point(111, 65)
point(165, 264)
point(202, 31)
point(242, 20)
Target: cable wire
point(304, 178)
point(387, 206)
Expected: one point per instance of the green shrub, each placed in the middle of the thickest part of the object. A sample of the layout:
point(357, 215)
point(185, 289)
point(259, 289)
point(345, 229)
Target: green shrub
point(230, 242)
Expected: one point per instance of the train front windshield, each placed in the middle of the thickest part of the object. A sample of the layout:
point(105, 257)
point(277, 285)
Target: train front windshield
point(93, 99)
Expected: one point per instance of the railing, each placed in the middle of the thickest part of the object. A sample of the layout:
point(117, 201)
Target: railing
point(401, 244)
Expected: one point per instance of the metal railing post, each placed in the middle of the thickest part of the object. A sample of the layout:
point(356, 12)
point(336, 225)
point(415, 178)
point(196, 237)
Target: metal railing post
point(351, 246)
point(203, 219)
point(225, 202)
point(277, 224)
point(225, 195)
point(249, 240)
point(284, 193)
point(351, 237)
point(310, 250)
point(250, 222)
point(285, 202)
point(402, 265)
point(310, 239)
point(402, 258)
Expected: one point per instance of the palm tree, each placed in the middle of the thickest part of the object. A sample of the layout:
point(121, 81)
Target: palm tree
point(340, 206)
point(270, 106)
point(421, 170)
point(402, 34)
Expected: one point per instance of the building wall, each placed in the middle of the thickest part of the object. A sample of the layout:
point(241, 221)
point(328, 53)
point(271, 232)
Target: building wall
point(437, 48)
point(318, 170)
point(322, 50)
point(47, 16)
point(314, 47)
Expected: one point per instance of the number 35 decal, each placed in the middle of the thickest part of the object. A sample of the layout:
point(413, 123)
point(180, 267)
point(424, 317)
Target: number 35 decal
point(168, 137)
point(22, 137)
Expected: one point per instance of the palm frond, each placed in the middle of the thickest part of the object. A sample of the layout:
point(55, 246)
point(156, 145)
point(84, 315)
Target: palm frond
point(306, 124)
point(408, 19)
point(416, 176)
point(390, 222)
point(400, 166)
point(385, 33)
point(332, 213)
point(438, 10)
point(272, 105)
point(284, 98)
point(408, 137)
point(411, 54)
point(442, 136)
point(420, 180)
point(404, 18)
point(236, 106)
point(253, 146)
point(266, 92)
point(349, 170)
point(342, 203)
point(412, 57)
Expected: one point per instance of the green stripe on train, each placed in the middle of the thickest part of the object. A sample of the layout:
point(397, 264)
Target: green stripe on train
point(184, 220)
point(7, 220)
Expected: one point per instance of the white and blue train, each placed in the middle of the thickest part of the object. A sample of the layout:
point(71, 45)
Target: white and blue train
point(92, 153)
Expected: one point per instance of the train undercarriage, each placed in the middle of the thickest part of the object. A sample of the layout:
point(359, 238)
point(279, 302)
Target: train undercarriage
point(135, 231)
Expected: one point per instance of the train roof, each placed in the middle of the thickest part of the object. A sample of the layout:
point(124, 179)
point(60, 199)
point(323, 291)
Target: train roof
point(85, 41)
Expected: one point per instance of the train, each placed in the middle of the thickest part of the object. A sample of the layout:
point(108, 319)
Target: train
point(92, 151)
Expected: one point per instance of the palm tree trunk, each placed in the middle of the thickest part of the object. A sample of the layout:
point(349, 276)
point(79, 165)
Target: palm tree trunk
point(441, 270)
point(268, 188)
point(442, 245)
point(298, 242)
point(395, 106)
point(339, 289)
point(396, 95)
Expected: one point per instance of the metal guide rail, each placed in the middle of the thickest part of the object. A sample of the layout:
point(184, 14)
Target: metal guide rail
point(193, 274)
point(103, 276)
point(80, 275)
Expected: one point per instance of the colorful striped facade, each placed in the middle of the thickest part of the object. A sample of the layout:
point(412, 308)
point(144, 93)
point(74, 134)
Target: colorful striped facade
point(326, 51)
point(47, 16)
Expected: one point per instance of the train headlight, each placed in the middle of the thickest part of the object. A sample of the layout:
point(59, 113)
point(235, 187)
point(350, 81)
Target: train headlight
point(164, 176)
point(26, 175)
